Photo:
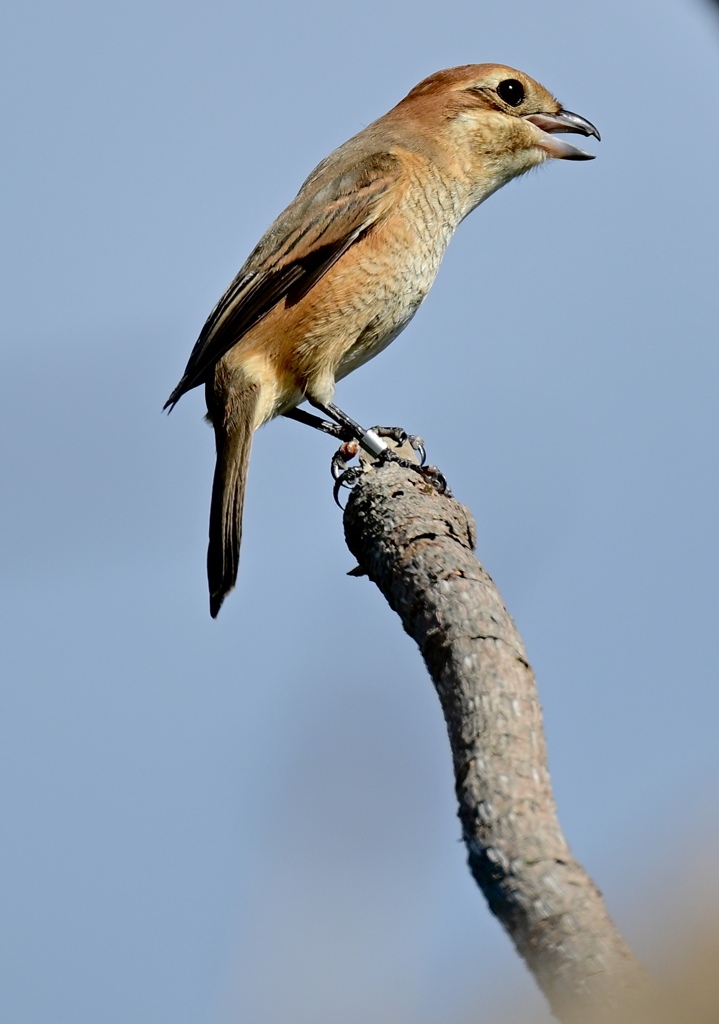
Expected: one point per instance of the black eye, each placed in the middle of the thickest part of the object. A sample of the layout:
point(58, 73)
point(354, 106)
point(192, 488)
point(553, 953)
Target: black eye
point(511, 91)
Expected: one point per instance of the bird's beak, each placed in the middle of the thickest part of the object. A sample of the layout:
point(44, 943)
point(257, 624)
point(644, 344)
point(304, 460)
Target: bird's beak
point(562, 121)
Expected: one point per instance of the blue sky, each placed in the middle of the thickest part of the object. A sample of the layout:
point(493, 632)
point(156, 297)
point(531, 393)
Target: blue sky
point(253, 819)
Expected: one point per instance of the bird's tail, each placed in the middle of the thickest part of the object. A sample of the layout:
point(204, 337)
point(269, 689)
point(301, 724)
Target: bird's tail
point(233, 420)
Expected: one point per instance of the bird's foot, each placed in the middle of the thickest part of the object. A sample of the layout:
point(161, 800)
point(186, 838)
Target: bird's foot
point(372, 442)
point(344, 474)
point(434, 476)
point(431, 474)
point(400, 437)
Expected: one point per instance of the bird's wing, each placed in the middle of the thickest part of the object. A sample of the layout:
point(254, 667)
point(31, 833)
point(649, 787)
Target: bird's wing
point(297, 250)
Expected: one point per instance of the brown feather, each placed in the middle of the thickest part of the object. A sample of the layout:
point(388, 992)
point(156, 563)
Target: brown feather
point(234, 426)
point(343, 269)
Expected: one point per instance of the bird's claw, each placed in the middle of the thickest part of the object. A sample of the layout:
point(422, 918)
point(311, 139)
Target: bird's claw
point(344, 475)
point(429, 473)
point(437, 479)
point(400, 437)
point(417, 443)
point(348, 478)
point(396, 434)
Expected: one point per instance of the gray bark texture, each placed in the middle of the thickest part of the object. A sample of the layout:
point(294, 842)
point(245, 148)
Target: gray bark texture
point(417, 546)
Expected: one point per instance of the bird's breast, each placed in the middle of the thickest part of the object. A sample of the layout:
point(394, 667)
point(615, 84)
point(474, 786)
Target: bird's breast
point(360, 305)
point(399, 262)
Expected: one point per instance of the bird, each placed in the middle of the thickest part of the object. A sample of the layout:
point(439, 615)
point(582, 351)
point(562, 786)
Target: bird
point(343, 269)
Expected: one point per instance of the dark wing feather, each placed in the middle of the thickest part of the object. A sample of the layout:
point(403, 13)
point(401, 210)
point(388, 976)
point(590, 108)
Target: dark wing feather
point(306, 240)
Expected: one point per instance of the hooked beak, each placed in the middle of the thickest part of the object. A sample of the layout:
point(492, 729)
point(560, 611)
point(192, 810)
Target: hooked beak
point(562, 121)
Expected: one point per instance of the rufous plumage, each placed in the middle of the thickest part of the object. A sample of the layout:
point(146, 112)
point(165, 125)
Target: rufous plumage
point(344, 268)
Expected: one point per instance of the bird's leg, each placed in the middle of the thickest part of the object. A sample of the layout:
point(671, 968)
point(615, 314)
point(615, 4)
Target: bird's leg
point(355, 436)
point(334, 429)
point(371, 440)
point(347, 431)
point(368, 439)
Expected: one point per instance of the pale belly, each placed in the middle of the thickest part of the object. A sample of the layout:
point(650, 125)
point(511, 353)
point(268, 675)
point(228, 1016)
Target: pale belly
point(374, 339)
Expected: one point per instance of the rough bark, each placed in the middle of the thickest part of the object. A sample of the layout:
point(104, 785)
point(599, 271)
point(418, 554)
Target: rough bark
point(417, 546)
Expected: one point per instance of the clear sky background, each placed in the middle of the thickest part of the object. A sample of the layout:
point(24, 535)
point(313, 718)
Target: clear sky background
point(253, 820)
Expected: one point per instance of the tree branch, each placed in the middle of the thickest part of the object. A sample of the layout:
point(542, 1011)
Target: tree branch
point(417, 547)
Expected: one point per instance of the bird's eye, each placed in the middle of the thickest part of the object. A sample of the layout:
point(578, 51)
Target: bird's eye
point(511, 91)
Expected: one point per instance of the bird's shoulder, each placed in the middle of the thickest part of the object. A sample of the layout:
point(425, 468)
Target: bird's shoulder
point(342, 199)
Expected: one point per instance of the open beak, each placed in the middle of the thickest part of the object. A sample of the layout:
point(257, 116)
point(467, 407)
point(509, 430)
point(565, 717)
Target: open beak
point(562, 121)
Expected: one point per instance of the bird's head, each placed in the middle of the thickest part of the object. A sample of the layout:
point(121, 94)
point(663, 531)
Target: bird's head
point(493, 122)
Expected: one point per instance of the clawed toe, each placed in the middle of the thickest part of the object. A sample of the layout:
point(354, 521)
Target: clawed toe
point(396, 434)
point(348, 478)
point(417, 443)
point(431, 474)
point(345, 475)
point(371, 441)
point(400, 437)
point(438, 480)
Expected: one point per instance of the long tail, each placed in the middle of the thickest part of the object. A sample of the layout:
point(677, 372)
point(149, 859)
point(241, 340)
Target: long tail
point(233, 420)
